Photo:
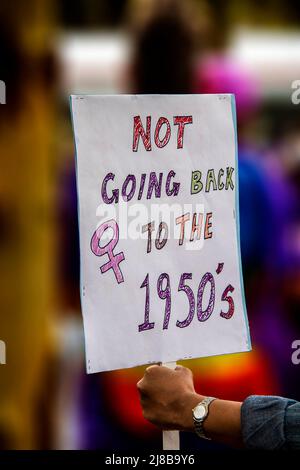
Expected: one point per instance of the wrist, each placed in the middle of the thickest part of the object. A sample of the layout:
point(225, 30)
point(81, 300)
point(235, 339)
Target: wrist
point(188, 403)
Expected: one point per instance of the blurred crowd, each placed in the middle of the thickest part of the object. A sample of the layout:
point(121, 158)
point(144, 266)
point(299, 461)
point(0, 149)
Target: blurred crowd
point(50, 49)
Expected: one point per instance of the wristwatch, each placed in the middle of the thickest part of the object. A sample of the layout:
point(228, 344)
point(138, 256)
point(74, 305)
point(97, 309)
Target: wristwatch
point(200, 413)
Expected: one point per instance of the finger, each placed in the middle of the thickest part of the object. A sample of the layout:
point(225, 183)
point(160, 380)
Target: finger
point(183, 370)
point(152, 367)
point(140, 385)
point(144, 400)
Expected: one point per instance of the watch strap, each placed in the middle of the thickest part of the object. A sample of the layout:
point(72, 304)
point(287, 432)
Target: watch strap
point(198, 423)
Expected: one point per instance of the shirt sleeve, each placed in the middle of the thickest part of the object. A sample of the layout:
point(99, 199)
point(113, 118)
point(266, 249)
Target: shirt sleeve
point(270, 422)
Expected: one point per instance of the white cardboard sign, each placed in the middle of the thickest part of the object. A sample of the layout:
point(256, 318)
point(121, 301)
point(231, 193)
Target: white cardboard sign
point(157, 182)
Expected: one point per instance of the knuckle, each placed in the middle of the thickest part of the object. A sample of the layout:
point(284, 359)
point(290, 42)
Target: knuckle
point(140, 385)
point(151, 370)
point(185, 371)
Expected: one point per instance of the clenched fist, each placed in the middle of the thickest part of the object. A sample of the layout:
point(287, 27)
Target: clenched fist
point(168, 397)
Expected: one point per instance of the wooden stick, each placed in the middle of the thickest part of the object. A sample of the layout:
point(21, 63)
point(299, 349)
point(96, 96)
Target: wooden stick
point(171, 440)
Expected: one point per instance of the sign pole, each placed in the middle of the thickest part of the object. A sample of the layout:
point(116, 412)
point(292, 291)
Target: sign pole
point(171, 439)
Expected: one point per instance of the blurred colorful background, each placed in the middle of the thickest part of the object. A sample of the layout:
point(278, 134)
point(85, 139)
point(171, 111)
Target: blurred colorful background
point(49, 49)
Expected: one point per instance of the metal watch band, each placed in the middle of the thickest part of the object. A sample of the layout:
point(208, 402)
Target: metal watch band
point(198, 423)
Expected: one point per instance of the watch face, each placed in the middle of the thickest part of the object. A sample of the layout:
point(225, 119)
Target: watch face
point(199, 412)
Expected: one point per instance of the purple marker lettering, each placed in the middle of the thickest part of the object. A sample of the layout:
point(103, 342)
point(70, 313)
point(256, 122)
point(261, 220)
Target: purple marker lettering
point(146, 325)
point(155, 184)
point(184, 287)
point(203, 315)
point(229, 299)
point(115, 192)
point(165, 294)
point(175, 188)
point(114, 260)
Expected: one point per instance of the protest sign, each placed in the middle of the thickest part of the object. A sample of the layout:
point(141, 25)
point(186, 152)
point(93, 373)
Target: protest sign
point(157, 181)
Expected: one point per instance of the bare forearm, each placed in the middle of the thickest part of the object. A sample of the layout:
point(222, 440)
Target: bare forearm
point(223, 423)
point(168, 398)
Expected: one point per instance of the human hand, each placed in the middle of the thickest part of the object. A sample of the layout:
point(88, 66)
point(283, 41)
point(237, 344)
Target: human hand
point(168, 396)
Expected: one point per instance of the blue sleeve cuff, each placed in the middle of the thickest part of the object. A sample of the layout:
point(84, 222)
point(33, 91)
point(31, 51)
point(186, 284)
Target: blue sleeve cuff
point(292, 426)
point(270, 423)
